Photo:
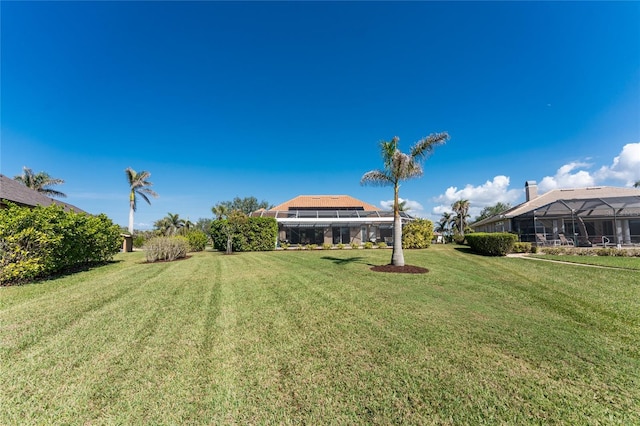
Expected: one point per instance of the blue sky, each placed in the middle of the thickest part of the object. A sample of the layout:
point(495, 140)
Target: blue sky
point(274, 100)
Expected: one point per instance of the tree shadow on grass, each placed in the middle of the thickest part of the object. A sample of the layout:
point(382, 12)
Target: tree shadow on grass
point(71, 270)
point(346, 260)
point(465, 250)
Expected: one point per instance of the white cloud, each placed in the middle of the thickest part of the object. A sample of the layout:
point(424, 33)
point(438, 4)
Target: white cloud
point(625, 167)
point(487, 194)
point(414, 208)
point(570, 175)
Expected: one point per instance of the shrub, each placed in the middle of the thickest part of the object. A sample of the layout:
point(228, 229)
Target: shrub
point(491, 244)
point(141, 237)
point(340, 246)
point(311, 246)
point(284, 246)
point(46, 240)
point(368, 245)
point(459, 239)
point(382, 244)
point(355, 245)
point(138, 241)
point(519, 247)
point(166, 248)
point(197, 240)
point(417, 234)
point(326, 246)
point(254, 234)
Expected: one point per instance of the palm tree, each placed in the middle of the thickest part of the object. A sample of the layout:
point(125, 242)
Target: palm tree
point(444, 224)
point(40, 182)
point(637, 184)
point(171, 224)
point(221, 211)
point(399, 166)
point(139, 185)
point(461, 208)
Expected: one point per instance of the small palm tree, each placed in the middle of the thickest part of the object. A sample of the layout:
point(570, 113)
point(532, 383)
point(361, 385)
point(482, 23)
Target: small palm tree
point(171, 224)
point(637, 184)
point(399, 166)
point(220, 211)
point(139, 186)
point(40, 182)
point(461, 208)
point(444, 224)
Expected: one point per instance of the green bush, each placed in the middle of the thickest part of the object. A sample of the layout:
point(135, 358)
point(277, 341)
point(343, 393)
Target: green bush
point(255, 234)
point(491, 244)
point(417, 234)
point(519, 247)
point(382, 244)
point(197, 240)
point(368, 245)
point(459, 239)
point(166, 248)
point(284, 246)
point(141, 237)
point(326, 246)
point(340, 246)
point(46, 240)
point(355, 245)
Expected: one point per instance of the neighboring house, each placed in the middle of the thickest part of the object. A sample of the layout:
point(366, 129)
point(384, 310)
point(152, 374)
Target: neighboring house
point(17, 193)
point(331, 219)
point(583, 216)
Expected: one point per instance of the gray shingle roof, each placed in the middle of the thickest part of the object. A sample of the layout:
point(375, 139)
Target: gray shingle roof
point(14, 191)
point(600, 192)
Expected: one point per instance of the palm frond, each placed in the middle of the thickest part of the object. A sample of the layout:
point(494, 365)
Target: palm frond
point(424, 147)
point(144, 197)
point(53, 193)
point(376, 178)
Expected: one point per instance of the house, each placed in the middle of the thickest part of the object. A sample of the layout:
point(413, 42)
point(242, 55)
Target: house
point(331, 219)
point(17, 193)
point(582, 216)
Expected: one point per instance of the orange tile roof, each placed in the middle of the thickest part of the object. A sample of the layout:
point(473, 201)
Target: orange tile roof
point(323, 202)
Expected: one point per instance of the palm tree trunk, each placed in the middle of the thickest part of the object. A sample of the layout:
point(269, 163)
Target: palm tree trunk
point(397, 255)
point(131, 220)
point(229, 244)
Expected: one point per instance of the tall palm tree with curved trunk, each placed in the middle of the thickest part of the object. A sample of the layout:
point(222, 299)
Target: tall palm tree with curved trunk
point(40, 182)
point(139, 186)
point(400, 166)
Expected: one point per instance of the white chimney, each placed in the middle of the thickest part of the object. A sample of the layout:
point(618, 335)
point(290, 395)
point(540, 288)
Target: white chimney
point(531, 189)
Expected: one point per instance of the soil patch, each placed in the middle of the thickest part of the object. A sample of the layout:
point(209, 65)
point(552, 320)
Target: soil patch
point(406, 269)
point(165, 261)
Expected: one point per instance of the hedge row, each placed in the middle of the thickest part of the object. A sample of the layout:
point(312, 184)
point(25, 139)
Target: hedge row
point(603, 251)
point(46, 240)
point(491, 244)
point(254, 234)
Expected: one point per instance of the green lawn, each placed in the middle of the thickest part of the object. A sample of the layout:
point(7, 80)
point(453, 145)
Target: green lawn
point(316, 337)
point(608, 261)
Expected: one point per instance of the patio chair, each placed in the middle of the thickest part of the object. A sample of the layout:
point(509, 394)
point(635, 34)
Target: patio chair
point(564, 241)
point(541, 240)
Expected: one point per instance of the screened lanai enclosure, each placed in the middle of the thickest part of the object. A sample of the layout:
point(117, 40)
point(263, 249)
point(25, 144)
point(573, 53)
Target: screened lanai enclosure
point(609, 221)
point(331, 226)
